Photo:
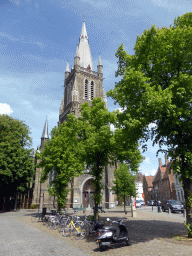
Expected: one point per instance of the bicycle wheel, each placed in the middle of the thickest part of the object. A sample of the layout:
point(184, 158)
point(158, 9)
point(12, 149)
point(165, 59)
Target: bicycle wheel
point(44, 220)
point(36, 218)
point(53, 223)
point(79, 232)
point(67, 230)
point(62, 223)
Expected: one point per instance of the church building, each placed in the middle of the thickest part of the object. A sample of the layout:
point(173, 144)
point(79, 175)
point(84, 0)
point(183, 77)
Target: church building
point(81, 85)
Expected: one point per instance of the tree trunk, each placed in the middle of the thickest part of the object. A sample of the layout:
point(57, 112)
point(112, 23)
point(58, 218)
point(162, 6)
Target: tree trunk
point(97, 190)
point(124, 203)
point(188, 194)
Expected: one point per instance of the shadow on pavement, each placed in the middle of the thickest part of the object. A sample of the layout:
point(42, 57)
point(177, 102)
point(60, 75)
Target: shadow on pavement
point(141, 231)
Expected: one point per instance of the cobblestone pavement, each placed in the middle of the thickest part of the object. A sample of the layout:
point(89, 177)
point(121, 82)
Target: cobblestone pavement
point(150, 234)
point(20, 239)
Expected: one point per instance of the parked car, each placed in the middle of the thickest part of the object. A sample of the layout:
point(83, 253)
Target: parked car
point(173, 205)
point(184, 204)
point(138, 204)
point(142, 202)
point(152, 202)
point(147, 202)
point(158, 203)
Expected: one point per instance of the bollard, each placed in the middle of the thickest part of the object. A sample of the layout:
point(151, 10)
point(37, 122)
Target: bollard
point(152, 208)
point(168, 210)
point(158, 209)
point(184, 213)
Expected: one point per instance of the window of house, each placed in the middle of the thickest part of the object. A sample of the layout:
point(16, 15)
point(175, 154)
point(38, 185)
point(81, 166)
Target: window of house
point(178, 196)
point(92, 90)
point(86, 89)
point(182, 195)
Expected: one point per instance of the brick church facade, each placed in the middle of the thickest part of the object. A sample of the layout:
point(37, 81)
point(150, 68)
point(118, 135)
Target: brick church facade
point(81, 85)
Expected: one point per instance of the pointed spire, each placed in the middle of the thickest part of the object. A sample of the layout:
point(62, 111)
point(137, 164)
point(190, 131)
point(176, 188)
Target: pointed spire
point(84, 49)
point(83, 31)
point(99, 61)
point(45, 134)
point(67, 68)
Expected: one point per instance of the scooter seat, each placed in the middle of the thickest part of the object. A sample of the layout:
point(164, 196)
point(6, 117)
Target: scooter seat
point(109, 228)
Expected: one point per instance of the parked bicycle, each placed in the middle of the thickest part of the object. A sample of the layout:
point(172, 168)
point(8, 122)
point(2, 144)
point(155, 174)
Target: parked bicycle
point(75, 226)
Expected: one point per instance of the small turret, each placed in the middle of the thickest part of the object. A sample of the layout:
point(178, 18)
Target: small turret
point(100, 68)
point(67, 71)
point(77, 59)
point(45, 134)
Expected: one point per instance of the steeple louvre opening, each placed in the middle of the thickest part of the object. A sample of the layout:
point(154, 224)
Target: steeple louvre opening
point(92, 90)
point(86, 89)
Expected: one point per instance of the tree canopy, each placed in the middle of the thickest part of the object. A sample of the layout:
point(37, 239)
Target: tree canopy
point(62, 158)
point(124, 183)
point(156, 87)
point(16, 161)
point(85, 141)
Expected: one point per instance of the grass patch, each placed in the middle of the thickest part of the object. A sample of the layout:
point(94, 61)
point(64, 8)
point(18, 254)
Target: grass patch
point(183, 238)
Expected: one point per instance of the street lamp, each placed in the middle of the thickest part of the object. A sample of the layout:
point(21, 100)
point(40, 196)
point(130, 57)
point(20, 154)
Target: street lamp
point(155, 193)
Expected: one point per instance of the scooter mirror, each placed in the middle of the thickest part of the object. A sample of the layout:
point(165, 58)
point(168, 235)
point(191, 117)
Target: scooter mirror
point(108, 219)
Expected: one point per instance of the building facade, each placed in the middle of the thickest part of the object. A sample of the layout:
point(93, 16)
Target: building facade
point(139, 186)
point(148, 188)
point(163, 182)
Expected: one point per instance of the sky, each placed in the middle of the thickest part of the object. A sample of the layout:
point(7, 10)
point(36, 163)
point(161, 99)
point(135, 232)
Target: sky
point(38, 37)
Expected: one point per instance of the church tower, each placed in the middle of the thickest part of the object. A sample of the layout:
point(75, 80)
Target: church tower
point(82, 83)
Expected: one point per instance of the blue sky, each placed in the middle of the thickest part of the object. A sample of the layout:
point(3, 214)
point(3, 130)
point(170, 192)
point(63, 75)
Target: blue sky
point(38, 37)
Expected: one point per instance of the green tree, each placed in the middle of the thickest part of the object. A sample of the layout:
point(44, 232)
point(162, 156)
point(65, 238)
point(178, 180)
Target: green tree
point(16, 161)
point(156, 87)
point(61, 156)
point(98, 143)
point(86, 140)
point(102, 146)
point(124, 182)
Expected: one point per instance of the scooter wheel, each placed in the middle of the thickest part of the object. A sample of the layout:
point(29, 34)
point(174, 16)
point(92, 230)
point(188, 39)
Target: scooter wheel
point(127, 241)
point(100, 246)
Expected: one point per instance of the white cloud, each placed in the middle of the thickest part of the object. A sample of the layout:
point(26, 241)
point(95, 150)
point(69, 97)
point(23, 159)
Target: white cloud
point(153, 172)
point(22, 40)
point(147, 160)
point(5, 109)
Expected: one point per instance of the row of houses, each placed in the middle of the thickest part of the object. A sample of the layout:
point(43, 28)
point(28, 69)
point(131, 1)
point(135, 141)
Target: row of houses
point(163, 185)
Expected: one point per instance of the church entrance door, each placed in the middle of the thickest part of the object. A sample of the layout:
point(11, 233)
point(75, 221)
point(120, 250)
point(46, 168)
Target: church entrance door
point(88, 190)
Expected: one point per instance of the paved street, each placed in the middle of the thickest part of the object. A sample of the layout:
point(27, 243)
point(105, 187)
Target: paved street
point(150, 233)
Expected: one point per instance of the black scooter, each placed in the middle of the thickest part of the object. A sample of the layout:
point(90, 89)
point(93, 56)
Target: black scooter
point(107, 235)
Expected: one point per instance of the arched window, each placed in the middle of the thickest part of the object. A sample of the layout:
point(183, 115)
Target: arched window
point(92, 90)
point(86, 89)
